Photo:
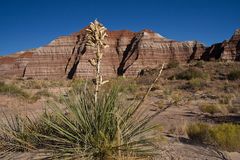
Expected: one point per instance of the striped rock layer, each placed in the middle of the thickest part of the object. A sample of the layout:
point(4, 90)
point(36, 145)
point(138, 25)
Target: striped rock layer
point(128, 53)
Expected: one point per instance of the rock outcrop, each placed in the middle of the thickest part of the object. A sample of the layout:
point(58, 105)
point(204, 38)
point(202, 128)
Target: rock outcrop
point(227, 50)
point(128, 53)
point(14, 66)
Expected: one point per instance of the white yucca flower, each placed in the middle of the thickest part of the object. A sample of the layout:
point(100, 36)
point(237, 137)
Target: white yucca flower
point(96, 34)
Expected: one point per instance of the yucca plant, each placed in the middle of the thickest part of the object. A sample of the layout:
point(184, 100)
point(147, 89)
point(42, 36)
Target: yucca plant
point(106, 131)
point(96, 34)
point(84, 130)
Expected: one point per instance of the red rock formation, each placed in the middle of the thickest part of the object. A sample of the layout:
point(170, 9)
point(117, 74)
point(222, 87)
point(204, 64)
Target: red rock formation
point(128, 54)
point(14, 65)
point(227, 50)
point(50, 61)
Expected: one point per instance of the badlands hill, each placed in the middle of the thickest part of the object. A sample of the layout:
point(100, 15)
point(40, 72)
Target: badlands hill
point(129, 53)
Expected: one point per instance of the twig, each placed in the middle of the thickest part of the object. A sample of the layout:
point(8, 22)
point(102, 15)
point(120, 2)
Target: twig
point(151, 86)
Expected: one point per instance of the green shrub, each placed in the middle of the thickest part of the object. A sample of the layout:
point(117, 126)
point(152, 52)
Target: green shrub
point(191, 74)
point(223, 136)
point(84, 130)
point(234, 75)
point(13, 90)
point(199, 64)
point(194, 84)
point(173, 64)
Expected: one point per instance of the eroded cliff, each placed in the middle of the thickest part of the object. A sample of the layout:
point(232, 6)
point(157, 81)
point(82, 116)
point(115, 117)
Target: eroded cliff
point(128, 53)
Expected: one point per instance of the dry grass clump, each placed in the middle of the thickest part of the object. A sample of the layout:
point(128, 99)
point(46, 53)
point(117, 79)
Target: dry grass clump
point(198, 132)
point(146, 76)
point(173, 64)
point(231, 101)
point(226, 98)
point(32, 84)
point(178, 129)
point(213, 108)
point(42, 93)
point(220, 108)
point(224, 136)
point(234, 106)
point(234, 75)
point(124, 85)
point(77, 85)
point(40, 84)
point(227, 103)
point(194, 84)
point(234, 109)
point(13, 90)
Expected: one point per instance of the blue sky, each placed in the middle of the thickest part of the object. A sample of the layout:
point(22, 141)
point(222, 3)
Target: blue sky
point(26, 24)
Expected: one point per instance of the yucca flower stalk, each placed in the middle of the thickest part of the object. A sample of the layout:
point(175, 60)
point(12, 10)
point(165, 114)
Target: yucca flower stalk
point(96, 34)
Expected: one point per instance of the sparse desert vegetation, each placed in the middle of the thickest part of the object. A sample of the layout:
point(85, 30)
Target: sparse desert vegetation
point(203, 109)
point(234, 75)
point(191, 73)
point(224, 136)
point(12, 90)
point(213, 108)
point(173, 64)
